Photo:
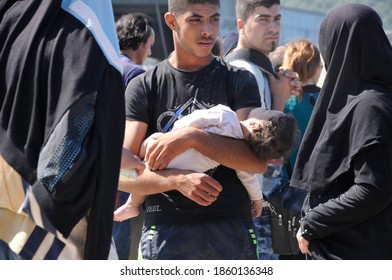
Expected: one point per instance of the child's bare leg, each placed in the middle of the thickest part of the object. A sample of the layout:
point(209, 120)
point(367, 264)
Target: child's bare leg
point(130, 209)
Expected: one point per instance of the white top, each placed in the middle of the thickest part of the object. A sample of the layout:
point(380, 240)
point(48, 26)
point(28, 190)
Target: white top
point(220, 120)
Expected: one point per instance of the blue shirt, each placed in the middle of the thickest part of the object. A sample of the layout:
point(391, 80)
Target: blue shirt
point(302, 111)
point(130, 69)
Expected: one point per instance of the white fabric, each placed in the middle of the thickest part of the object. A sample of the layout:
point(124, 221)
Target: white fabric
point(220, 120)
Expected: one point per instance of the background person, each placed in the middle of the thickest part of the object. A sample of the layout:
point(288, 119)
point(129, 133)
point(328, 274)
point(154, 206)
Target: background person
point(303, 57)
point(345, 160)
point(258, 24)
point(136, 36)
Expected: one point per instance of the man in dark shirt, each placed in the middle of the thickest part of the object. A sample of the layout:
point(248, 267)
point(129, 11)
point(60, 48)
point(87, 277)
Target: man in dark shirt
point(192, 215)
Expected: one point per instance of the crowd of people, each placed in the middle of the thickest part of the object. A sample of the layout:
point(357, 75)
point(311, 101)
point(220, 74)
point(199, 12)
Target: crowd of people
point(211, 131)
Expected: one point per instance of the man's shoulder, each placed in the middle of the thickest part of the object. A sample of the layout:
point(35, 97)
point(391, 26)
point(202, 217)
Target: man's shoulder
point(254, 71)
point(250, 58)
point(244, 64)
point(128, 63)
point(226, 65)
point(250, 69)
point(153, 73)
point(235, 68)
point(131, 70)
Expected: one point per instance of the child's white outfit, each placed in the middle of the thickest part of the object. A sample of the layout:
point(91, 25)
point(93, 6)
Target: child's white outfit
point(220, 120)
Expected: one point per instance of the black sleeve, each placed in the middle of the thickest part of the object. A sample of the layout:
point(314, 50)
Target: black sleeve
point(246, 91)
point(370, 193)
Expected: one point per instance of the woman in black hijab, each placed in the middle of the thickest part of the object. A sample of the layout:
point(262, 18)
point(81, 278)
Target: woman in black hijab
point(345, 159)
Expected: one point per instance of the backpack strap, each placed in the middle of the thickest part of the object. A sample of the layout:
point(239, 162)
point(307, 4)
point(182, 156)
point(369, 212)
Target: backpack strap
point(259, 59)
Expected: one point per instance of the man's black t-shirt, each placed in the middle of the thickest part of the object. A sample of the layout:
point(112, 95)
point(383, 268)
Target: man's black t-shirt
point(164, 94)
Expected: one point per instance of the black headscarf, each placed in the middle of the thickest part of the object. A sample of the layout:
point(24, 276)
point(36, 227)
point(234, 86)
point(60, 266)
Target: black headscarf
point(54, 82)
point(354, 108)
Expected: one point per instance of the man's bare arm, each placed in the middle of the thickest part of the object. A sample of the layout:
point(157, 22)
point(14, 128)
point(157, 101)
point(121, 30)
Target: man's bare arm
point(233, 153)
point(198, 187)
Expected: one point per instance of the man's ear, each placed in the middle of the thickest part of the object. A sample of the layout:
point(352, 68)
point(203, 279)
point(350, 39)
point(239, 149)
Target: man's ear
point(170, 21)
point(240, 25)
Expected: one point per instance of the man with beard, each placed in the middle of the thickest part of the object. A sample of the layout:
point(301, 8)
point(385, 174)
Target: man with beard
point(258, 24)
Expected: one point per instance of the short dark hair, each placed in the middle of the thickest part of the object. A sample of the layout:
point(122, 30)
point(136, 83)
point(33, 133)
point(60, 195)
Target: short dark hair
point(133, 29)
point(276, 137)
point(178, 7)
point(244, 8)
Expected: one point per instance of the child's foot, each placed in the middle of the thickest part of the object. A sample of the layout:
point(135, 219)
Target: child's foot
point(125, 212)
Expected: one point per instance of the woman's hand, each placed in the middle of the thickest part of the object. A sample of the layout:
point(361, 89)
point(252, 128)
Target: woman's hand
point(303, 244)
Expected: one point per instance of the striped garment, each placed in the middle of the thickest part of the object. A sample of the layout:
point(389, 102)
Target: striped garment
point(30, 234)
point(61, 123)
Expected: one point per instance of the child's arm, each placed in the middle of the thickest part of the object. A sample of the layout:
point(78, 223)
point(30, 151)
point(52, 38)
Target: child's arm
point(148, 141)
point(129, 161)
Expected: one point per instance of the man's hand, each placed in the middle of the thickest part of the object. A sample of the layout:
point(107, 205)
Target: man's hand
point(166, 147)
point(295, 83)
point(129, 161)
point(283, 87)
point(303, 244)
point(200, 188)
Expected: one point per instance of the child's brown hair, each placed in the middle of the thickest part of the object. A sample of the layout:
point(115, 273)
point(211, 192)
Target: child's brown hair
point(275, 138)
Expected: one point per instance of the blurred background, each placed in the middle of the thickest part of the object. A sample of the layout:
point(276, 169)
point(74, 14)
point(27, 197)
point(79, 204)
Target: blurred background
point(300, 18)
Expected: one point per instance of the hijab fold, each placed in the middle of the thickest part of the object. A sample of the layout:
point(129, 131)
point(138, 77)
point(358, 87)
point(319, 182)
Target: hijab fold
point(354, 107)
